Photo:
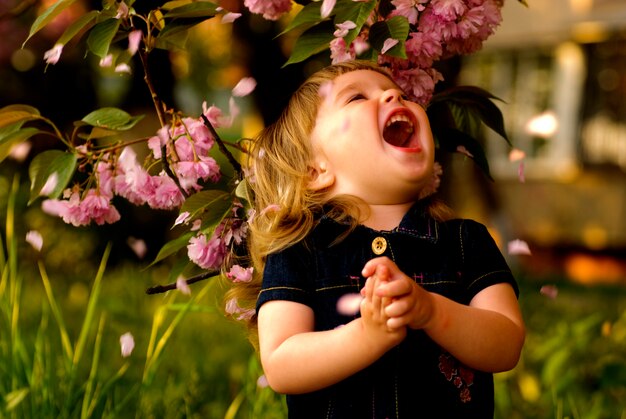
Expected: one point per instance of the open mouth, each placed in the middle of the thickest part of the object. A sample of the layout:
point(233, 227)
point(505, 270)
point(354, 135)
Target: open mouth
point(398, 131)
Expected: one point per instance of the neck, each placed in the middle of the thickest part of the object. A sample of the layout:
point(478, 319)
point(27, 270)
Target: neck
point(386, 217)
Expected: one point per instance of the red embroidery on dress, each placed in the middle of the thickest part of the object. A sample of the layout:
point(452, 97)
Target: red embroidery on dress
point(458, 374)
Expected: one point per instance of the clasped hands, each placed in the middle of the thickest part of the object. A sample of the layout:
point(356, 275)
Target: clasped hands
point(393, 302)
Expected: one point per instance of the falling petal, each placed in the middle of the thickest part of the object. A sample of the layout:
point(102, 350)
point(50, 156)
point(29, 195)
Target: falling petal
point(327, 8)
point(195, 226)
point(127, 344)
point(182, 286)
point(261, 382)
point(20, 151)
point(52, 55)
point(230, 17)
point(134, 39)
point(50, 185)
point(123, 68)
point(349, 304)
point(550, 291)
point(122, 11)
point(520, 172)
point(516, 155)
point(34, 239)
point(182, 218)
point(388, 44)
point(138, 246)
point(518, 247)
point(107, 61)
point(244, 87)
point(461, 149)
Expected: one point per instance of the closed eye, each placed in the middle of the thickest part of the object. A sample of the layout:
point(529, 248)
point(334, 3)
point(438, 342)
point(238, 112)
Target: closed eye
point(356, 97)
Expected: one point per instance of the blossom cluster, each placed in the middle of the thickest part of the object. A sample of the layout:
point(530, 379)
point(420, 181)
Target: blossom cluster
point(439, 29)
point(186, 146)
point(444, 28)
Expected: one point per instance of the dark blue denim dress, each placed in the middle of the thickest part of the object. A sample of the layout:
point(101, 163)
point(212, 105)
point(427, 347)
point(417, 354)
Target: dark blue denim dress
point(416, 379)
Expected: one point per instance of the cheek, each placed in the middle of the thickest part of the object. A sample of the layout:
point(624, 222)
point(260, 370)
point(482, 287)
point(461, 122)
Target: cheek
point(345, 125)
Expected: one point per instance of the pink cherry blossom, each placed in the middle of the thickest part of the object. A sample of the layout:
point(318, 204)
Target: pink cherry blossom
point(339, 51)
point(240, 274)
point(270, 9)
point(207, 254)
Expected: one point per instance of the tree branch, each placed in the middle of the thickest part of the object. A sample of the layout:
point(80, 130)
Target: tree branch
point(222, 147)
point(159, 289)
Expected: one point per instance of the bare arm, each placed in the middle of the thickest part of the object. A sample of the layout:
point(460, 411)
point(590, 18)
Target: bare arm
point(297, 359)
point(487, 335)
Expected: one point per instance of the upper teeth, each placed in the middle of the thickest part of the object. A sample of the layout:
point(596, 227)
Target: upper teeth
point(398, 118)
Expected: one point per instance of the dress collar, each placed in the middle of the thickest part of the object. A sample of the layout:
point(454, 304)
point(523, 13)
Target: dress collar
point(417, 223)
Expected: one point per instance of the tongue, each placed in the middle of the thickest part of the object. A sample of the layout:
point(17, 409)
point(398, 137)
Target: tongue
point(398, 134)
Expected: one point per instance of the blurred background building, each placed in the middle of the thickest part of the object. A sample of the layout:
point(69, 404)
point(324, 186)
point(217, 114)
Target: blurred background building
point(559, 67)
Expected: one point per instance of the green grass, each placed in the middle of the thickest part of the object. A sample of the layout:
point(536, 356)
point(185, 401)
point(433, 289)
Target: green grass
point(60, 323)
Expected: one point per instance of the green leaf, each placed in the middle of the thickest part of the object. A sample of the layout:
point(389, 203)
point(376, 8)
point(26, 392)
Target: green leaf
point(357, 12)
point(8, 141)
point(197, 9)
point(176, 26)
point(308, 16)
point(242, 191)
point(476, 103)
point(172, 247)
point(101, 36)
point(449, 139)
point(311, 42)
point(397, 28)
point(47, 16)
point(77, 26)
point(211, 201)
point(17, 113)
point(14, 398)
point(173, 41)
point(111, 119)
point(44, 165)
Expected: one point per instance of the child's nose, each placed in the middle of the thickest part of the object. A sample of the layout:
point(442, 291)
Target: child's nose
point(391, 95)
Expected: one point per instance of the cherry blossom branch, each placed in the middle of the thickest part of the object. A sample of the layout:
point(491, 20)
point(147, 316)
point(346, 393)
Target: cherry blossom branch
point(160, 110)
point(222, 146)
point(158, 289)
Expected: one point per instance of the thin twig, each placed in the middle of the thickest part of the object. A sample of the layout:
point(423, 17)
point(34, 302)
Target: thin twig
point(158, 289)
point(222, 147)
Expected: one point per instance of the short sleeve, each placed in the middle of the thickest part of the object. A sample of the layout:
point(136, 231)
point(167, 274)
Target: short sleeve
point(483, 263)
point(287, 276)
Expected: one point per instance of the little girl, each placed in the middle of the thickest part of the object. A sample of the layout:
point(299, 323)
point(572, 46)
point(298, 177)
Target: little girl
point(341, 185)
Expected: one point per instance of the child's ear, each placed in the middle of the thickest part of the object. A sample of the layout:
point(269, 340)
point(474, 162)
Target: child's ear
point(320, 177)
